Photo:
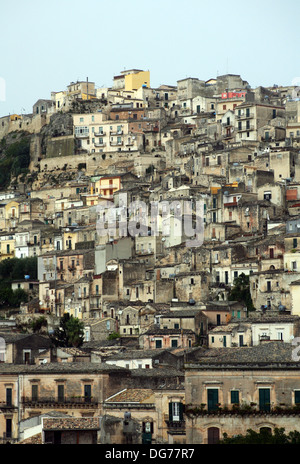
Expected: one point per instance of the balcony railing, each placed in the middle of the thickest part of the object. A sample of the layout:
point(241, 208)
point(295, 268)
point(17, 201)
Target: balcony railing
point(5, 405)
point(244, 116)
point(114, 144)
point(7, 439)
point(244, 129)
point(54, 401)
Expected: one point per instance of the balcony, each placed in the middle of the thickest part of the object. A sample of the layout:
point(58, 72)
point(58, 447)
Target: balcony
point(246, 129)
point(100, 145)
point(54, 402)
point(82, 136)
point(244, 116)
point(116, 144)
point(119, 132)
point(99, 134)
point(7, 439)
point(4, 405)
point(177, 427)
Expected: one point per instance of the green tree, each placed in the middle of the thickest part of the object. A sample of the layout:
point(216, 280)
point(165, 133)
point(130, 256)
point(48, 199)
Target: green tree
point(113, 336)
point(12, 298)
point(39, 323)
point(17, 268)
point(263, 437)
point(241, 291)
point(69, 333)
point(14, 159)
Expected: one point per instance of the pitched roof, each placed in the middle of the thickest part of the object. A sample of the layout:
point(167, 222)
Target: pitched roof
point(132, 395)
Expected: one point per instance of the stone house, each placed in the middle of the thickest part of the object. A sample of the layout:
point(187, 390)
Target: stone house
point(232, 334)
point(23, 348)
point(100, 328)
point(270, 289)
point(221, 312)
point(284, 327)
point(194, 320)
point(259, 402)
point(156, 338)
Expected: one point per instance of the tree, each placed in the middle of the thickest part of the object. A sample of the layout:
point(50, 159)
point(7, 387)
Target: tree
point(69, 333)
point(263, 437)
point(17, 268)
point(113, 336)
point(39, 323)
point(12, 298)
point(241, 291)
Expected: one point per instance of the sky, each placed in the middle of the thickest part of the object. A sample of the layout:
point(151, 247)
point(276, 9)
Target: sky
point(47, 45)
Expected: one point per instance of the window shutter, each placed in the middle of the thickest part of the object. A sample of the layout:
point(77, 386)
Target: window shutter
point(170, 411)
point(180, 411)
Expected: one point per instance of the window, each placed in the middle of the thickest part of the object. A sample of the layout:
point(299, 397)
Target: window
point(60, 393)
point(235, 396)
point(297, 396)
point(34, 392)
point(212, 399)
point(8, 396)
point(264, 399)
point(175, 412)
point(158, 343)
point(174, 343)
point(87, 393)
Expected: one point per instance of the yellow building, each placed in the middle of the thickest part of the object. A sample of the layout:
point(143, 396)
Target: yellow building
point(135, 79)
point(7, 246)
point(105, 186)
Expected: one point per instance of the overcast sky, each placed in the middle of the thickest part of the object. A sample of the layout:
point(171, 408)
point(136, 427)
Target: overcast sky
point(47, 45)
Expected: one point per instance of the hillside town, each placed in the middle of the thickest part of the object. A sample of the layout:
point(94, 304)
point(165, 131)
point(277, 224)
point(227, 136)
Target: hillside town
point(166, 222)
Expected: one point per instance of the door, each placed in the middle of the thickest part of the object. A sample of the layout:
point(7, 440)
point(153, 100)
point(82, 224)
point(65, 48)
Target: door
point(213, 435)
point(8, 432)
point(8, 396)
point(212, 399)
point(61, 393)
point(87, 393)
point(26, 357)
point(226, 277)
point(241, 340)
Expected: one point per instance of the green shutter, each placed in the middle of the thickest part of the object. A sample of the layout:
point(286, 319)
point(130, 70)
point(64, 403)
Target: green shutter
point(212, 399)
point(264, 399)
point(170, 412)
point(234, 397)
